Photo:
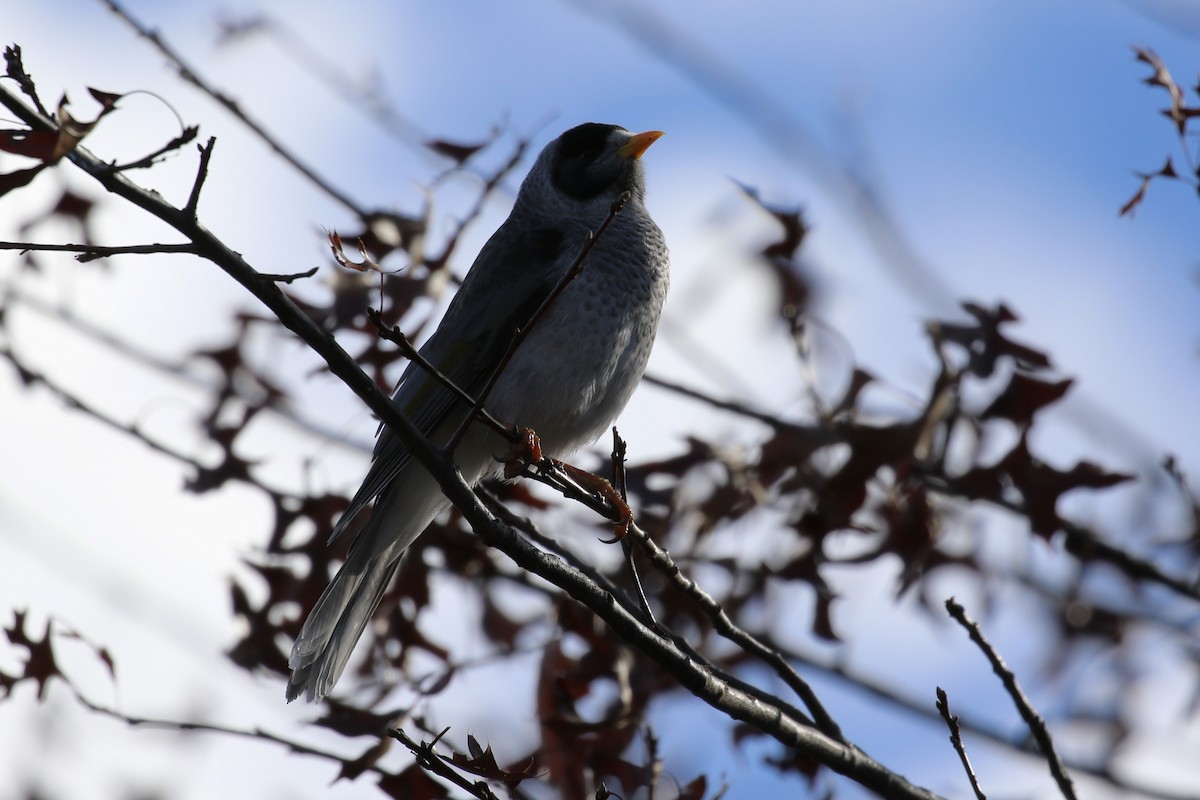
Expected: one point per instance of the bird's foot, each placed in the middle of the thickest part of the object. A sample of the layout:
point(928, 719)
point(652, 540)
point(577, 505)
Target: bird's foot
point(597, 485)
point(525, 451)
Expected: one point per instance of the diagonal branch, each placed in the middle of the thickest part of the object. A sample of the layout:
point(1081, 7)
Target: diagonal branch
point(943, 707)
point(1037, 726)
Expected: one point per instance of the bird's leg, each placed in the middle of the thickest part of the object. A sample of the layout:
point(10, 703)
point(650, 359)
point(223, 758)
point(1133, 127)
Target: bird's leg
point(600, 486)
point(526, 450)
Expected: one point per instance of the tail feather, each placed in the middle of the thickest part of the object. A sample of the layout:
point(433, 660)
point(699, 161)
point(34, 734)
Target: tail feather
point(345, 607)
point(335, 625)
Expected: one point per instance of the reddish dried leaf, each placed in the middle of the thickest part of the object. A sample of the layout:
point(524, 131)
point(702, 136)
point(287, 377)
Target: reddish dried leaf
point(633, 777)
point(355, 767)
point(790, 219)
point(805, 568)
point(1042, 485)
point(29, 143)
point(438, 684)
point(1023, 397)
point(339, 255)
point(18, 178)
point(794, 290)
point(40, 664)
point(985, 343)
point(823, 617)
point(499, 627)
point(1133, 202)
point(353, 721)
point(107, 100)
point(482, 762)
point(793, 761)
point(231, 468)
point(412, 784)
point(100, 652)
point(457, 151)
point(695, 790)
point(15, 69)
point(844, 493)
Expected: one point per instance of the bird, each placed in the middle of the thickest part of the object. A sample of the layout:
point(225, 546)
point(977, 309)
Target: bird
point(569, 378)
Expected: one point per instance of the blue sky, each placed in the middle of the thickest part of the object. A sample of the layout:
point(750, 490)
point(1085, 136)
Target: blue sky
point(1001, 138)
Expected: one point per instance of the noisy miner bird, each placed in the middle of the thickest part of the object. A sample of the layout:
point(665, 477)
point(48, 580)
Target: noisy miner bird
point(571, 375)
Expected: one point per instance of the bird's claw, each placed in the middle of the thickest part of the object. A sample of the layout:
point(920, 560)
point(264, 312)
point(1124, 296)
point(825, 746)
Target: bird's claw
point(525, 451)
point(600, 486)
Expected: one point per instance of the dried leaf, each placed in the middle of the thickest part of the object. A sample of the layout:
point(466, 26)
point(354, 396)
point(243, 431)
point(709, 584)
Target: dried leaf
point(1023, 397)
point(29, 143)
point(412, 783)
point(482, 762)
point(40, 663)
point(339, 255)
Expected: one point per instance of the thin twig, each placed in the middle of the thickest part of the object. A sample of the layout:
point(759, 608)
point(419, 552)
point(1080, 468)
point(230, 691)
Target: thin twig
point(208, 727)
point(90, 252)
point(201, 173)
point(432, 762)
point(876, 691)
point(327, 66)
point(147, 161)
point(288, 277)
point(620, 482)
point(943, 707)
point(726, 627)
point(819, 435)
point(397, 337)
point(548, 543)
point(490, 183)
point(31, 377)
point(1037, 726)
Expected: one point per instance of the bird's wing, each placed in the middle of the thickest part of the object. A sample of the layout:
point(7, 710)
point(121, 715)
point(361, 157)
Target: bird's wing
point(514, 273)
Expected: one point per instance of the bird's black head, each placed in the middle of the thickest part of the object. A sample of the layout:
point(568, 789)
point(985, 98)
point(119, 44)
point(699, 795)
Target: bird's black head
point(594, 159)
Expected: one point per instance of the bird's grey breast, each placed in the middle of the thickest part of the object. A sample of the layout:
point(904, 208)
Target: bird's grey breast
point(577, 368)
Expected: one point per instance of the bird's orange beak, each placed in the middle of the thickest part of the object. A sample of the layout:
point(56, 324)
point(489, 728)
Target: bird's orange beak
point(638, 144)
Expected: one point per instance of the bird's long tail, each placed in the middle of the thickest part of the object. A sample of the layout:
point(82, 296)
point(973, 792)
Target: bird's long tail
point(345, 607)
point(341, 614)
point(336, 623)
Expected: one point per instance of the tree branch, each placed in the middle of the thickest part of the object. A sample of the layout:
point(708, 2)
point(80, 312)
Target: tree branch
point(90, 252)
point(1037, 726)
point(943, 707)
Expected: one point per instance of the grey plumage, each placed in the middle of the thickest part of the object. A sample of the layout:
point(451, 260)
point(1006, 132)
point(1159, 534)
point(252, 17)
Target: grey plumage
point(568, 381)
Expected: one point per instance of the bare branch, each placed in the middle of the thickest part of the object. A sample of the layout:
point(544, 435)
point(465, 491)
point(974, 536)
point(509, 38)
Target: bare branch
point(429, 760)
point(288, 277)
point(1037, 726)
point(396, 336)
point(201, 174)
point(943, 707)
